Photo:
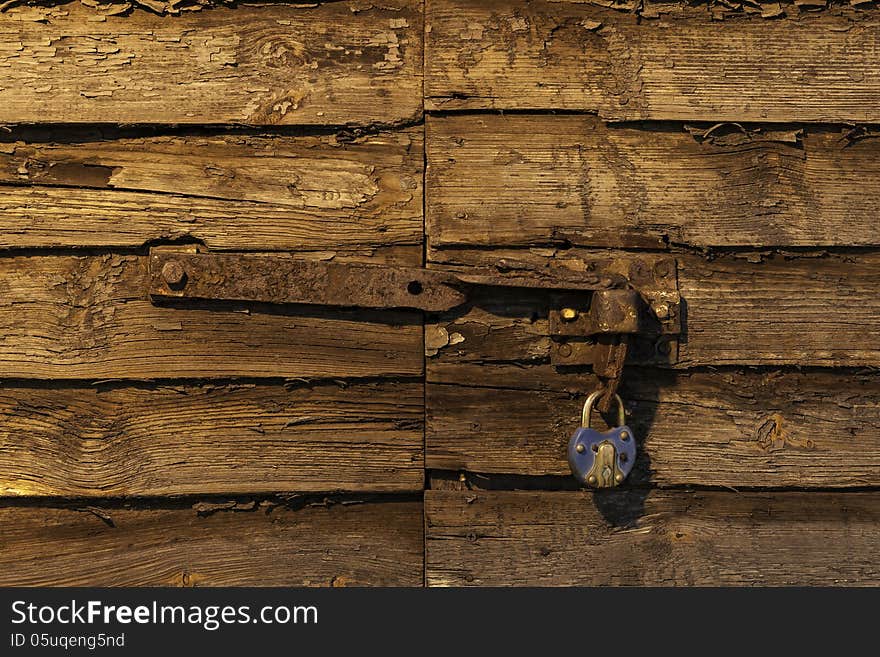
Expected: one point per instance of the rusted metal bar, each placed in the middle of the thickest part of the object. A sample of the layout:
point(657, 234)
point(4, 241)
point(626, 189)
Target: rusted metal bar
point(642, 302)
point(186, 274)
point(273, 279)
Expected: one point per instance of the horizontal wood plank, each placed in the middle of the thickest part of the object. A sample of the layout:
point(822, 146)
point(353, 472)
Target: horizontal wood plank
point(203, 439)
point(64, 317)
point(252, 543)
point(571, 55)
point(665, 539)
point(722, 428)
point(521, 180)
point(750, 308)
point(273, 64)
point(228, 191)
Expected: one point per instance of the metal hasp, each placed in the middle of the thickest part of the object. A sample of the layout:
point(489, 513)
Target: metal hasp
point(616, 306)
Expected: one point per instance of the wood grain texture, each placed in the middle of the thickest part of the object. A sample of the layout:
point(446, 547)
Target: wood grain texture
point(252, 543)
point(667, 539)
point(571, 55)
point(64, 317)
point(747, 428)
point(275, 64)
point(749, 308)
point(204, 439)
point(520, 180)
point(228, 191)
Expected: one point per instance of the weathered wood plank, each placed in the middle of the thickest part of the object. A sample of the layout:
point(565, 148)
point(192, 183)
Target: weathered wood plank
point(547, 54)
point(203, 439)
point(722, 428)
point(740, 309)
point(89, 318)
point(669, 538)
point(253, 543)
point(274, 64)
point(229, 191)
point(519, 180)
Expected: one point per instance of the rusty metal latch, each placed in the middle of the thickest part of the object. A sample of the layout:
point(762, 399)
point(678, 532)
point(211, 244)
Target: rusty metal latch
point(611, 302)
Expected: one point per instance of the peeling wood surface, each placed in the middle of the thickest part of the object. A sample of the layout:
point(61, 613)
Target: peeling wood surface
point(228, 191)
point(520, 180)
point(756, 308)
point(203, 439)
point(251, 543)
point(749, 428)
point(494, 54)
point(276, 64)
point(68, 317)
point(667, 538)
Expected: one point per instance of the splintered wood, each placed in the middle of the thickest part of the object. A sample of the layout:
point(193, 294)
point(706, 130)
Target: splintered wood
point(538, 180)
point(685, 65)
point(299, 192)
point(258, 542)
point(274, 64)
point(119, 439)
point(660, 538)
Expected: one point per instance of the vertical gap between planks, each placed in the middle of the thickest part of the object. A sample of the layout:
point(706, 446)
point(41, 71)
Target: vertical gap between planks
point(424, 315)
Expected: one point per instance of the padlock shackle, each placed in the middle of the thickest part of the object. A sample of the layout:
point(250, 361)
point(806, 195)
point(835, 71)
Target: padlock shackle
point(588, 409)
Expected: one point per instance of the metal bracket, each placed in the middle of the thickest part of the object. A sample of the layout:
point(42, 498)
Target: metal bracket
point(615, 301)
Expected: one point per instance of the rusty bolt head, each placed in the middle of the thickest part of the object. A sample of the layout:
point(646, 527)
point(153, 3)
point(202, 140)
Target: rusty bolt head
point(663, 268)
point(664, 348)
point(662, 310)
point(565, 350)
point(173, 273)
point(569, 314)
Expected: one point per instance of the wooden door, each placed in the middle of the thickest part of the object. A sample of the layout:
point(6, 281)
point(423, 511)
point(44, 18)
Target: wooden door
point(206, 444)
point(714, 134)
point(203, 444)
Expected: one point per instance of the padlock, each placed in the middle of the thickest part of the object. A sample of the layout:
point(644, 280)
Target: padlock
point(602, 459)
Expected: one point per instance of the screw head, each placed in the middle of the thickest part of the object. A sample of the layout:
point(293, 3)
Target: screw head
point(569, 314)
point(173, 273)
point(580, 448)
point(663, 268)
point(565, 350)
